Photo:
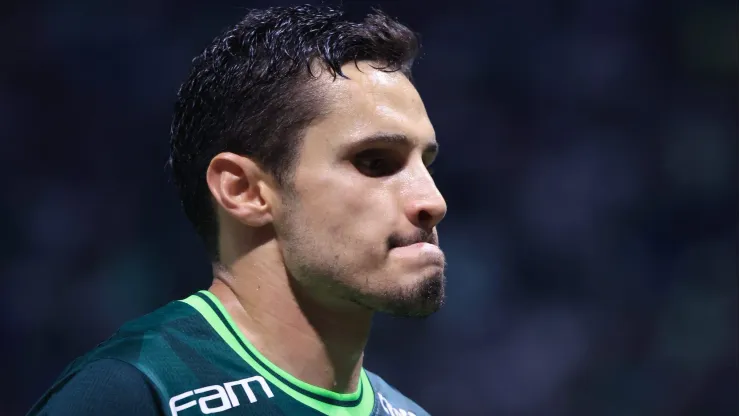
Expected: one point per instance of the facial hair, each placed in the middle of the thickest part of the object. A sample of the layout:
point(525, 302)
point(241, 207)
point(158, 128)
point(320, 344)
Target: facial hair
point(328, 278)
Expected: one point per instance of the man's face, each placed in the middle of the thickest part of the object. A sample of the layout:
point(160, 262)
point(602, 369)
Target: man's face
point(362, 199)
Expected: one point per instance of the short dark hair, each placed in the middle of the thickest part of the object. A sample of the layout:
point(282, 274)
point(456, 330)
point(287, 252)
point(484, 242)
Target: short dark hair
point(248, 93)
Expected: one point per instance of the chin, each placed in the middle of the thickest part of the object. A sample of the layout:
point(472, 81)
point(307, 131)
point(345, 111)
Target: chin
point(426, 296)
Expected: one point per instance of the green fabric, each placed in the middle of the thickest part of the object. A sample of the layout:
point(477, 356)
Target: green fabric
point(192, 360)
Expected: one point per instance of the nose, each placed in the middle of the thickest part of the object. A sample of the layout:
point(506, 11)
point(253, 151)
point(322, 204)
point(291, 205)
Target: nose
point(426, 207)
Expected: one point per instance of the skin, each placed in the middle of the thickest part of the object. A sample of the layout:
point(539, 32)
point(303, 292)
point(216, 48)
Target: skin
point(311, 262)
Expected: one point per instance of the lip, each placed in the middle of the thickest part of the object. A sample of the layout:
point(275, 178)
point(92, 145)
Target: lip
point(420, 245)
point(422, 252)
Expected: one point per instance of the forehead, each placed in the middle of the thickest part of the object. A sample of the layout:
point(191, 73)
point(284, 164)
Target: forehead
point(368, 103)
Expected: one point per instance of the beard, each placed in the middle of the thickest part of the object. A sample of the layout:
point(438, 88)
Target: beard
point(321, 265)
point(333, 278)
point(418, 301)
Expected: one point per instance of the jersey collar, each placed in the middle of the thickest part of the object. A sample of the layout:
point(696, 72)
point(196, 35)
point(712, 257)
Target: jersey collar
point(360, 402)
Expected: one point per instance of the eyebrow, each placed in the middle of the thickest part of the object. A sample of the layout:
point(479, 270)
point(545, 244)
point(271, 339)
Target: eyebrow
point(392, 138)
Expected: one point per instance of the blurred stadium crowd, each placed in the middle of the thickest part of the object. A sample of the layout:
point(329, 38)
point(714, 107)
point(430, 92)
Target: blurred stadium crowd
point(588, 160)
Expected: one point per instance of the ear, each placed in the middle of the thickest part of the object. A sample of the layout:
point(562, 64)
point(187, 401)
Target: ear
point(241, 188)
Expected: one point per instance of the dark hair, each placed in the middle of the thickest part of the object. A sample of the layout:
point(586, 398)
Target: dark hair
point(249, 93)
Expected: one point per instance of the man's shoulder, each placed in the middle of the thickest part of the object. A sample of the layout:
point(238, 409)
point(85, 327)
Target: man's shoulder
point(148, 354)
point(171, 315)
point(390, 401)
point(146, 334)
point(105, 386)
point(148, 343)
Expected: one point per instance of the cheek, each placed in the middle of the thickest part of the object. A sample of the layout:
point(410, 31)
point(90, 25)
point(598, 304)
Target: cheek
point(346, 205)
point(350, 213)
point(352, 218)
point(338, 196)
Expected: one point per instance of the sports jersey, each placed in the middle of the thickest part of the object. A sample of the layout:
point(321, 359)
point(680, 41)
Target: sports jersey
point(188, 358)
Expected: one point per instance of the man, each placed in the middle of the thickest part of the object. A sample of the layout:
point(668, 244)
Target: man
point(301, 152)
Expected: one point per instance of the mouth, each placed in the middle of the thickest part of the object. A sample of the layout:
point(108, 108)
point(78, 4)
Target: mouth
point(419, 240)
point(421, 253)
point(417, 246)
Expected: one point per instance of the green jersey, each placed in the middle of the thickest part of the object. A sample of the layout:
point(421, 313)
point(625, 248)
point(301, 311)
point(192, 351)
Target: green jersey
point(188, 358)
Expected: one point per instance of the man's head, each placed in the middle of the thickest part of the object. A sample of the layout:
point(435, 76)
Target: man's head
point(305, 130)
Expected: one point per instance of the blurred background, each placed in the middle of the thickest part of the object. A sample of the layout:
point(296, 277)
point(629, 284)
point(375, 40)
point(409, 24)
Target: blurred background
point(589, 165)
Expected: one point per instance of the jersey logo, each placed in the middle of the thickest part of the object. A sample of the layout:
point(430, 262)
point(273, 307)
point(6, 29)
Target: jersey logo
point(390, 410)
point(223, 399)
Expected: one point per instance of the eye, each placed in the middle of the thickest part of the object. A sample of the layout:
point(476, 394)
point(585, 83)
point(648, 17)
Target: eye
point(377, 163)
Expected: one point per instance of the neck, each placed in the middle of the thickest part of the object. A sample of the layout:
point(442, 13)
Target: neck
point(319, 343)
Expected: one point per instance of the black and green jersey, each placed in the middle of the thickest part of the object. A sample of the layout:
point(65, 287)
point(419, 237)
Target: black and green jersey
point(188, 358)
